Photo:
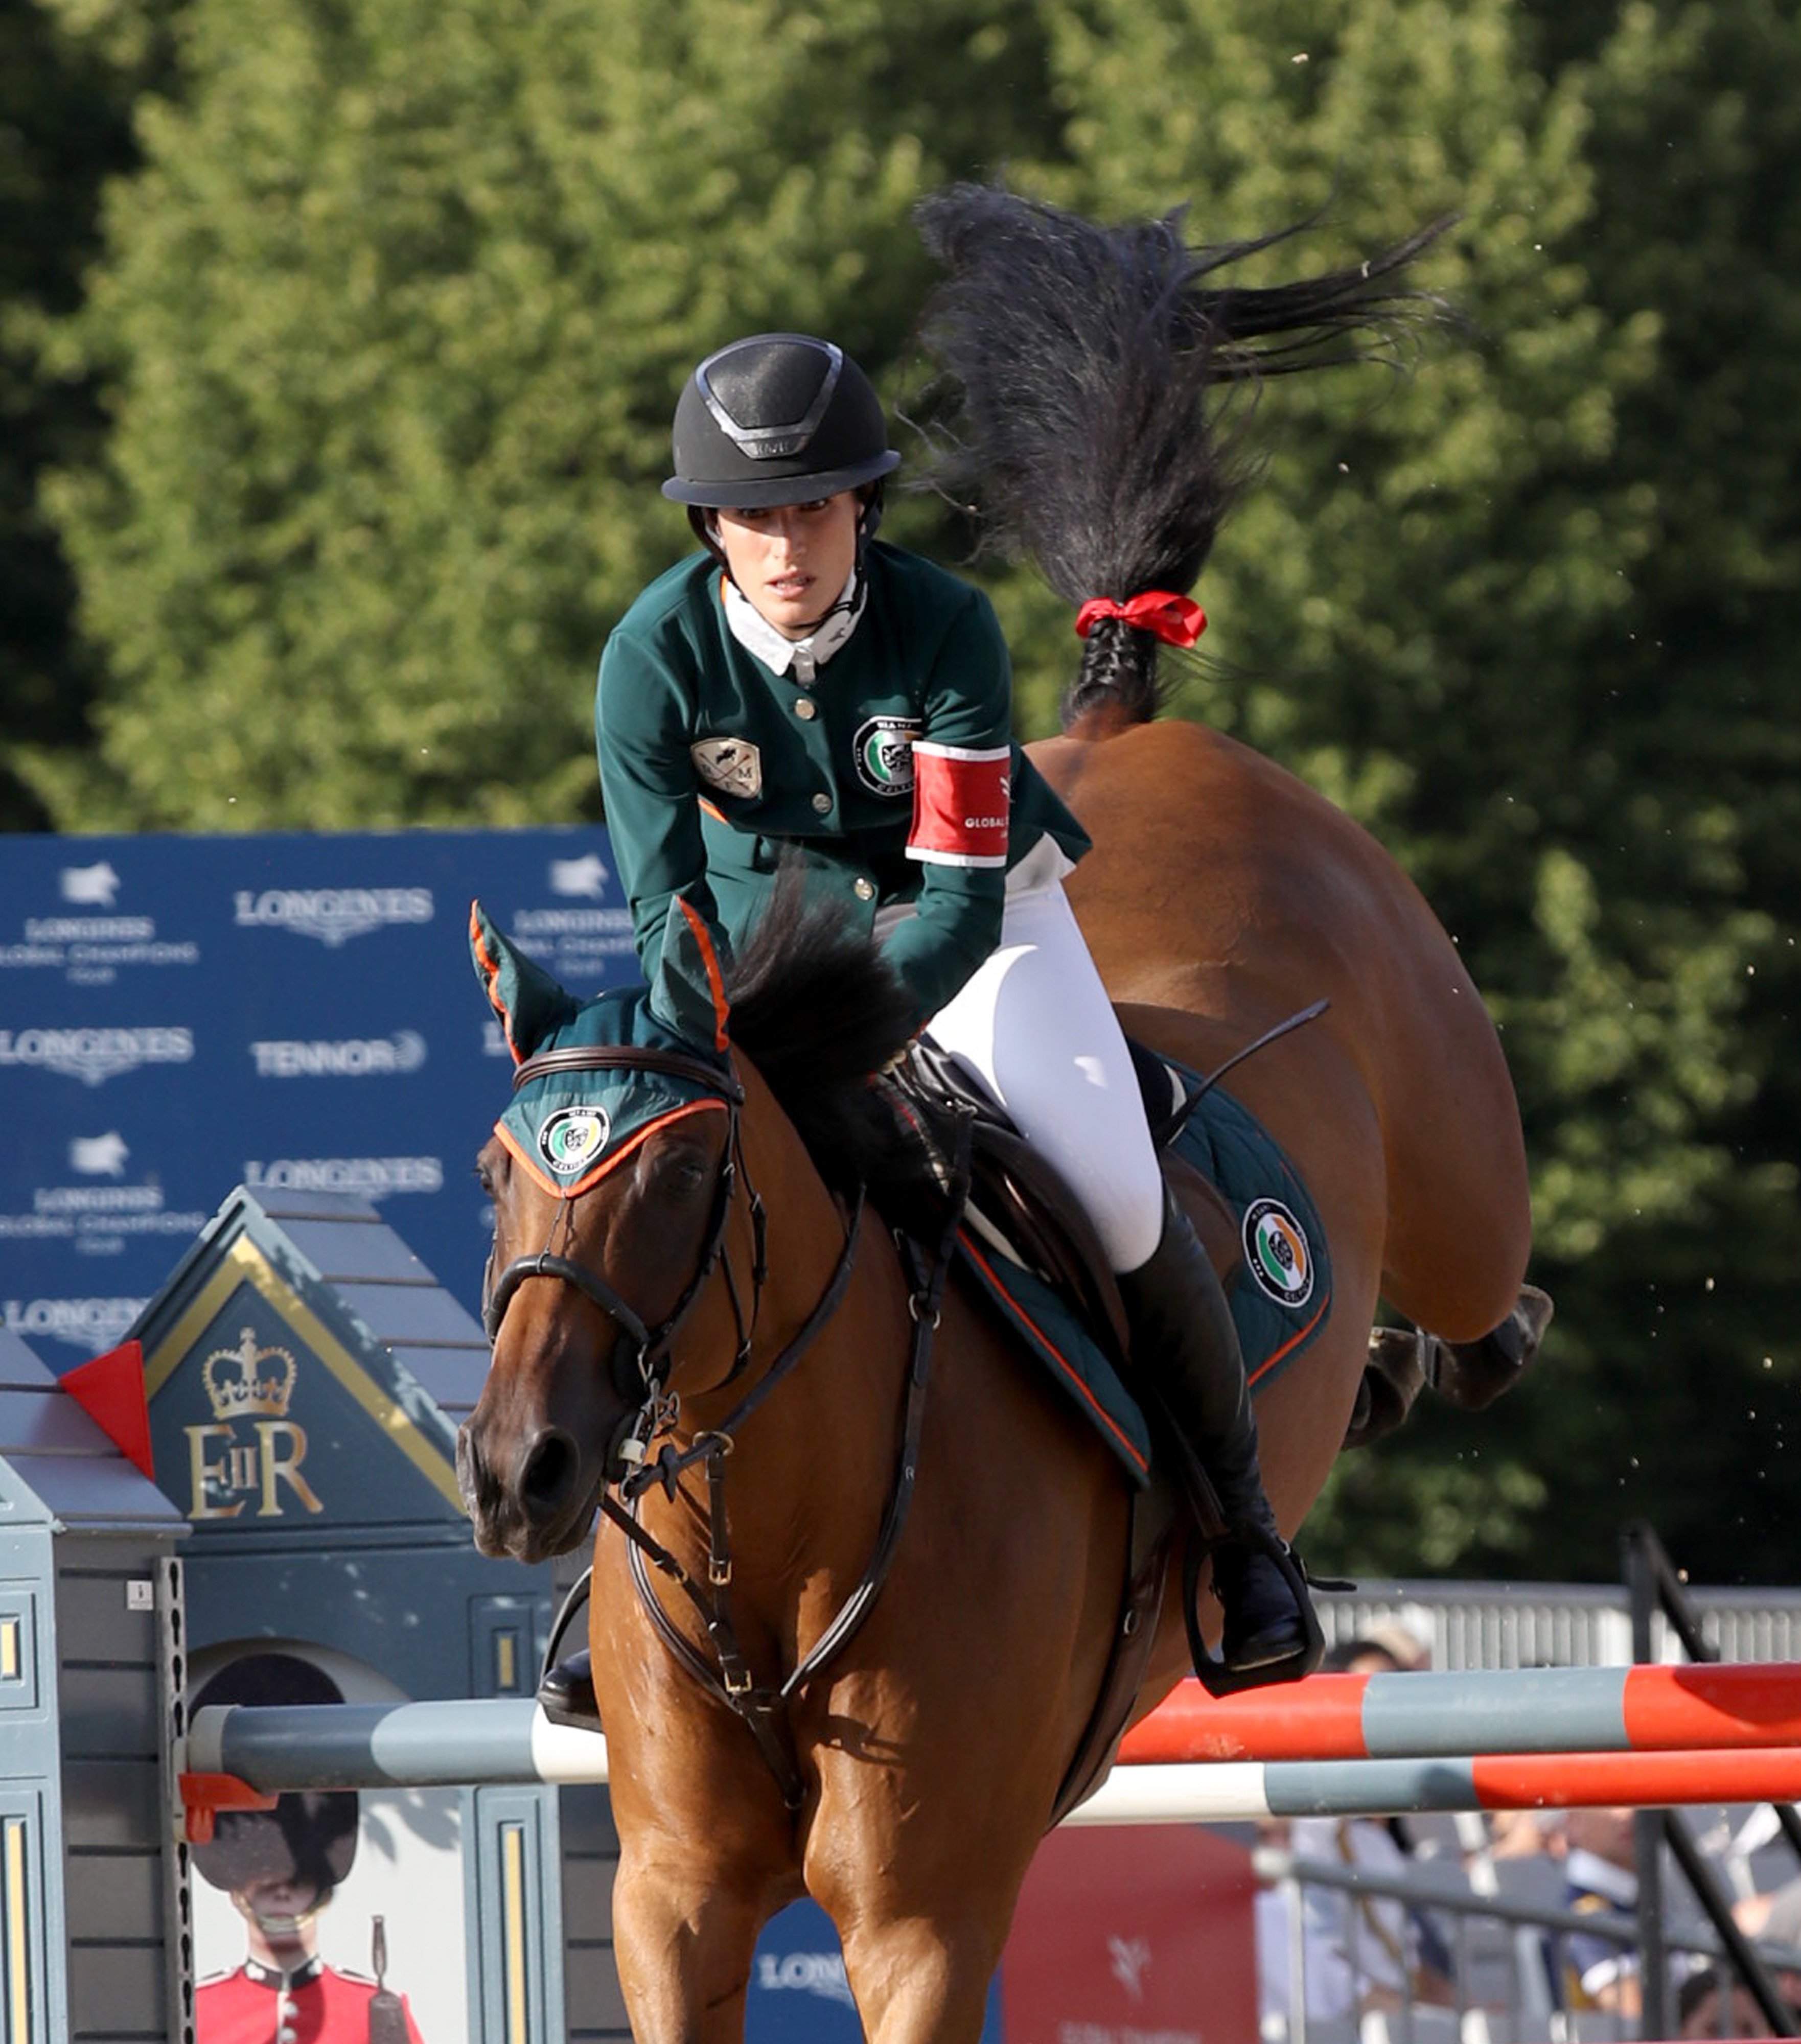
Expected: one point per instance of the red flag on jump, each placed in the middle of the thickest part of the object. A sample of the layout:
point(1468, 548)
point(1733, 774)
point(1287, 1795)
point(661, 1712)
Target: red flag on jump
point(110, 1390)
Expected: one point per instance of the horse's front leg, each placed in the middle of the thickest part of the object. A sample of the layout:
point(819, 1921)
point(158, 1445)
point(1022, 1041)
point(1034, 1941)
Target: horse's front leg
point(918, 1980)
point(707, 1849)
point(686, 1920)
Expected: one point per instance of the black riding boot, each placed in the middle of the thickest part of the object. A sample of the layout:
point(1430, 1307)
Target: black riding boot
point(566, 1691)
point(1189, 1361)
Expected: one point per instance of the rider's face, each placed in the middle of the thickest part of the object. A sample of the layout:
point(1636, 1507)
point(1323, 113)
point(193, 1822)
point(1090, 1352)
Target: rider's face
point(792, 560)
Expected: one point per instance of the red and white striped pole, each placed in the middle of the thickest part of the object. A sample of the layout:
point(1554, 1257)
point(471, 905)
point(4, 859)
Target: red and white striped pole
point(1642, 1709)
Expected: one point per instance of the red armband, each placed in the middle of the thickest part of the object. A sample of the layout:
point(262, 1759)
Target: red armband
point(962, 798)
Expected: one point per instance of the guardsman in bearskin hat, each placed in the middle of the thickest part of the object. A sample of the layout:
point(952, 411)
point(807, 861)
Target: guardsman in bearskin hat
point(280, 1868)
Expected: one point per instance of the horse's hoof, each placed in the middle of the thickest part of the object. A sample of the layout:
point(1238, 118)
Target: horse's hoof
point(565, 1693)
point(1473, 1375)
point(1393, 1377)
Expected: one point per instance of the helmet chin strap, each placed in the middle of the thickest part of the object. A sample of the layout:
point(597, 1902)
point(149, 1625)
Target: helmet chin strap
point(851, 604)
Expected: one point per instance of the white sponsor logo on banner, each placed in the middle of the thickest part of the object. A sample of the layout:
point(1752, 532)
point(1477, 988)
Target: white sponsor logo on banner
point(375, 1178)
point(89, 886)
point(535, 924)
point(97, 1221)
point(580, 946)
point(95, 1056)
point(580, 876)
point(353, 1058)
point(333, 915)
point(99, 1156)
point(806, 1973)
point(1128, 1960)
point(94, 1324)
point(92, 947)
point(89, 929)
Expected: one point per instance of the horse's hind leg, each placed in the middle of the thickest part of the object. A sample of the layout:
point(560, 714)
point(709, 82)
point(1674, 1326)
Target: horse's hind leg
point(1403, 1362)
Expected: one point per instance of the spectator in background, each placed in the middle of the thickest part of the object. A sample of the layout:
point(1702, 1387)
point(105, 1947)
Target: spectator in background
point(1521, 1834)
point(1775, 1916)
point(1390, 1646)
point(1600, 1878)
point(1401, 1645)
point(1709, 2004)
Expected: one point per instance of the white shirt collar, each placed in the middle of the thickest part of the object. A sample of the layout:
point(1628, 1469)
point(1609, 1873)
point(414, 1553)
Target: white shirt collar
point(805, 656)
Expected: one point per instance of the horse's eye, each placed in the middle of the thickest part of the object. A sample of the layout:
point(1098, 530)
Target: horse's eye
point(681, 1177)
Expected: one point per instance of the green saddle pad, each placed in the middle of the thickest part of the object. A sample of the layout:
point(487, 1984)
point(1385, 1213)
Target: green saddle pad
point(1279, 1301)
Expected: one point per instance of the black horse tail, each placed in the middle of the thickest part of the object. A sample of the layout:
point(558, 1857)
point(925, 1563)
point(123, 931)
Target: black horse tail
point(1096, 386)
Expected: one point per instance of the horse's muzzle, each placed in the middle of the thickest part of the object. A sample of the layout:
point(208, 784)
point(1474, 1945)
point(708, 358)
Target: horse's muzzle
point(545, 1508)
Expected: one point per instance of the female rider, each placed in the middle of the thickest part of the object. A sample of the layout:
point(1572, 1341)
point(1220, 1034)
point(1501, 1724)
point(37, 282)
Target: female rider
point(801, 687)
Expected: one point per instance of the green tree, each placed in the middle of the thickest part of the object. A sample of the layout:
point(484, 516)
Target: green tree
point(392, 323)
point(64, 127)
point(1695, 152)
point(1409, 612)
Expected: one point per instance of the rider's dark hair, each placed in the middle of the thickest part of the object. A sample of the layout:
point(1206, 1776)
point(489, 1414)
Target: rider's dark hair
point(1091, 409)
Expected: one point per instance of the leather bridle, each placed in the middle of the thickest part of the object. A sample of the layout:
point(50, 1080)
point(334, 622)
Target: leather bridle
point(629, 1469)
point(641, 1362)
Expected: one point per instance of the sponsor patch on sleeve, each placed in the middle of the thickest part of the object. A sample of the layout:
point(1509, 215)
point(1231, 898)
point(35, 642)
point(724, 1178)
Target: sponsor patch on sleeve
point(961, 801)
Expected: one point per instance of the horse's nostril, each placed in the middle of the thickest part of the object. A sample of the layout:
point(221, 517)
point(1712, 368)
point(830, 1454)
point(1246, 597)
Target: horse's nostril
point(550, 1469)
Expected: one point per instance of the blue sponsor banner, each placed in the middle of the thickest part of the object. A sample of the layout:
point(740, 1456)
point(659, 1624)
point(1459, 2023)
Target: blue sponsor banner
point(179, 1015)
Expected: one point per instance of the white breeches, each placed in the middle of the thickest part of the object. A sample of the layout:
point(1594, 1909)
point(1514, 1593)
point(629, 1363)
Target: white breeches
point(1034, 1023)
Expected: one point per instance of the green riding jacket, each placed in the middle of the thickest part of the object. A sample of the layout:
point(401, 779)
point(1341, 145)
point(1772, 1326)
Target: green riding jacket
point(711, 765)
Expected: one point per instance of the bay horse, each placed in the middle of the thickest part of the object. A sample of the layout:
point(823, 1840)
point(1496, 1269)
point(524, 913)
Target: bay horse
point(1221, 897)
point(690, 1305)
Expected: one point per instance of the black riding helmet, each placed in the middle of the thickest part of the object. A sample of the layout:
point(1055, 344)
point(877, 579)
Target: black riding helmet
point(778, 418)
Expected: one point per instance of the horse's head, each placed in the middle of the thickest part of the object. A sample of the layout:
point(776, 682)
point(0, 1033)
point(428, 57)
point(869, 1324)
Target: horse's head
point(611, 1174)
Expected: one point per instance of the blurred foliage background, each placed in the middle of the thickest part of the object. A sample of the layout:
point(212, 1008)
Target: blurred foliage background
point(338, 340)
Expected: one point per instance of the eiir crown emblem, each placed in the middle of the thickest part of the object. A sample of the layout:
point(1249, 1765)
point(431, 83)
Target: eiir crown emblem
point(248, 1379)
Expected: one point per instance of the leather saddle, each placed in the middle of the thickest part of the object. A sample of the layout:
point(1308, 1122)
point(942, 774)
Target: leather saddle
point(1023, 1206)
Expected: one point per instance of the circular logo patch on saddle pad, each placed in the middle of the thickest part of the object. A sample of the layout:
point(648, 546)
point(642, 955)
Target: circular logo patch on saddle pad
point(1275, 1248)
point(571, 1138)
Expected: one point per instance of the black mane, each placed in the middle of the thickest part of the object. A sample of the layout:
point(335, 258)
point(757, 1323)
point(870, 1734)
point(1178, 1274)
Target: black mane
point(818, 1010)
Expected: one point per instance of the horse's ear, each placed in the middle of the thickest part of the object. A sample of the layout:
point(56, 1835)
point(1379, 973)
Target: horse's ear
point(689, 996)
point(529, 1003)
